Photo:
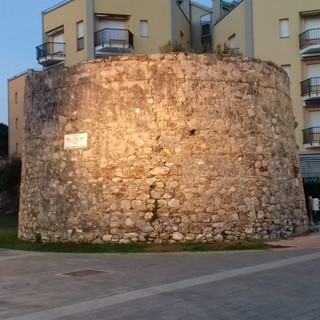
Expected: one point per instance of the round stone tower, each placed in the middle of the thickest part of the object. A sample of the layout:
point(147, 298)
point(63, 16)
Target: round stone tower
point(160, 148)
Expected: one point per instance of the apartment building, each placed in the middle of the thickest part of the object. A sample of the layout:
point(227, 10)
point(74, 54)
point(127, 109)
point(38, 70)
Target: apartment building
point(79, 30)
point(286, 32)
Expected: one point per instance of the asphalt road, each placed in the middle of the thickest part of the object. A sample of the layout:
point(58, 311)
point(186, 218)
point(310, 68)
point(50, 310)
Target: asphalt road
point(273, 284)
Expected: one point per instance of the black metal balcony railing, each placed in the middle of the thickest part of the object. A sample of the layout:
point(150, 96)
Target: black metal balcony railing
point(311, 135)
point(113, 37)
point(309, 38)
point(50, 49)
point(310, 86)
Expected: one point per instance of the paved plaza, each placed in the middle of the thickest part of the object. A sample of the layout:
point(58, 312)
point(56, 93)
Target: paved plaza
point(271, 284)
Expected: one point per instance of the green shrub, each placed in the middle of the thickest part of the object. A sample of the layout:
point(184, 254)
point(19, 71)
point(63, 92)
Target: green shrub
point(174, 46)
point(10, 176)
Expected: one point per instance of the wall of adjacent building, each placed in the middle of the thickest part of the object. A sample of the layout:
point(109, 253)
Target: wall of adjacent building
point(181, 24)
point(233, 24)
point(16, 90)
point(196, 29)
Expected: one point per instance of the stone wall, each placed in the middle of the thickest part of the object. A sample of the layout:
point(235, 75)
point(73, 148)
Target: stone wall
point(180, 148)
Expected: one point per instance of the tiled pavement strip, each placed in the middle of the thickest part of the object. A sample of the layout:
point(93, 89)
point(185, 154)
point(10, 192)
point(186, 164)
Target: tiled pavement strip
point(311, 241)
point(177, 297)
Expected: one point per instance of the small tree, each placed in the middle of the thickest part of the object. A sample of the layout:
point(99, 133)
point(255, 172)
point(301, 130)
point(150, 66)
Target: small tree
point(3, 139)
point(10, 176)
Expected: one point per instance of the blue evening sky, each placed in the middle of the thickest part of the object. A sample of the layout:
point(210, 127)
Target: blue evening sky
point(20, 22)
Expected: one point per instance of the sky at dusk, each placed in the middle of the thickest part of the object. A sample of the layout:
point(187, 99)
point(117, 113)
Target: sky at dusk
point(20, 22)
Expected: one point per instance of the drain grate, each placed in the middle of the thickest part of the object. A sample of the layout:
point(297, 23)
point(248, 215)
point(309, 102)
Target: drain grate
point(84, 273)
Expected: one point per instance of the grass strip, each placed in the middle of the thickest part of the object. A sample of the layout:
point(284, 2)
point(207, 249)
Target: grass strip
point(9, 240)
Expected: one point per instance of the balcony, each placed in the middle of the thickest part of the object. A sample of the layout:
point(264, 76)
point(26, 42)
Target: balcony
point(51, 53)
point(310, 91)
point(109, 42)
point(311, 137)
point(310, 43)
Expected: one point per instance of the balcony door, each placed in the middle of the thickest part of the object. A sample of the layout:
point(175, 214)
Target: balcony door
point(313, 70)
point(58, 41)
point(312, 22)
point(313, 73)
point(111, 24)
point(115, 29)
point(314, 124)
point(314, 119)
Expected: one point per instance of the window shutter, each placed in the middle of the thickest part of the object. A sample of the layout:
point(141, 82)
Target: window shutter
point(144, 28)
point(284, 28)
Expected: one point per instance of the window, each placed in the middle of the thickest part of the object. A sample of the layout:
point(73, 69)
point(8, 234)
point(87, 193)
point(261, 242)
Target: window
point(144, 28)
point(232, 42)
point(233, 50)
point(205, 29)
point(16, 97)
point(17, 148)
point(287, 69)
point(17, 123)
point(284, 28)
point(80, 42)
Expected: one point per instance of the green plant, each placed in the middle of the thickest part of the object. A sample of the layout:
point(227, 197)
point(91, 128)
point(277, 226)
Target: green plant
point(172, 46)
point(155, 211)
point(10, 176)
point(156, 205)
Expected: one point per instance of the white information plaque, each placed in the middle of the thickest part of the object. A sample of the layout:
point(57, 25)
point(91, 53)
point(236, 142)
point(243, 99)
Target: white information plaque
point(75, 141)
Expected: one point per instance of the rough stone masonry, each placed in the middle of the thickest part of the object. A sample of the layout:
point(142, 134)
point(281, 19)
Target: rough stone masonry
point(179, 147)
